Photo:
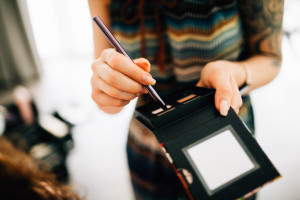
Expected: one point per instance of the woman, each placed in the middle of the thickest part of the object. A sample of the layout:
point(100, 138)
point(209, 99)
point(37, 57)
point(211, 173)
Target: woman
point(216, 44)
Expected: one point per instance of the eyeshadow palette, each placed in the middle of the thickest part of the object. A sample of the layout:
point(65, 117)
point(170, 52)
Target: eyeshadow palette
point(215, 157)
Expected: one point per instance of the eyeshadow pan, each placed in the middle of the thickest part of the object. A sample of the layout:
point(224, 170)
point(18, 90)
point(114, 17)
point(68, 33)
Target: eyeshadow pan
point(159, 110)
point(186, 98)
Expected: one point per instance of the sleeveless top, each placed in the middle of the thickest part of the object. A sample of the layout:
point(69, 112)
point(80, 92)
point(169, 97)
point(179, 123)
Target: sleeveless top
point(194, 32)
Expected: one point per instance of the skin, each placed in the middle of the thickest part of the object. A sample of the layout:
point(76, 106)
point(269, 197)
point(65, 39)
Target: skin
point(116, 80)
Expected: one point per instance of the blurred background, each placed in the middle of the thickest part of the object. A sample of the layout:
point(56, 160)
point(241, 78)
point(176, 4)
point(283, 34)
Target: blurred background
point(49, 49)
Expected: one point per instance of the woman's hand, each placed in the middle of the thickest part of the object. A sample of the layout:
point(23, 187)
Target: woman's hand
point(116, 80)
point(225, 77)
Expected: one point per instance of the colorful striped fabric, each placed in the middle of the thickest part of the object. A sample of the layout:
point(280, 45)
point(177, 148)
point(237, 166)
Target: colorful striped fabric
point(195, 32)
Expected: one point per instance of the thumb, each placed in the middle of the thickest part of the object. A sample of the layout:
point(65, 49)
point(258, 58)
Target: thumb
point(143, 63)
point(223, 95)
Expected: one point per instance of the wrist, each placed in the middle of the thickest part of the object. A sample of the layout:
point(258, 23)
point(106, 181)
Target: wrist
point(245, 87)
point(236, 70)
point(247, 72)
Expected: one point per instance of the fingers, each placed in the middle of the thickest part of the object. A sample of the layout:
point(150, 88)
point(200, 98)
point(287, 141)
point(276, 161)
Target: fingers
point(220, 81)
point(200, 84)
point(100, 85)
point(142, 63)
point(227, 93)
point(125, 66)
point(102, 99)
point(236, 100)
point(117, 79)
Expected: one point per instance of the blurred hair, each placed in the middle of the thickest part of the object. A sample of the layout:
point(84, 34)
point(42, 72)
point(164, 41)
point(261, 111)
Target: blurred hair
point(22, 178)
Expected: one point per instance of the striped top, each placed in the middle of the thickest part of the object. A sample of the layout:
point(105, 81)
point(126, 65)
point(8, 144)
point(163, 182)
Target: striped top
point(195, 32)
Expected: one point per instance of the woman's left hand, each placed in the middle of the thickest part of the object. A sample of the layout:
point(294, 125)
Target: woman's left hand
point(225, 77)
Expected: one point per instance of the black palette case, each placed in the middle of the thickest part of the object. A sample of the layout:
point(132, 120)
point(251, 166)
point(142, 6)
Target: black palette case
point(215, 157)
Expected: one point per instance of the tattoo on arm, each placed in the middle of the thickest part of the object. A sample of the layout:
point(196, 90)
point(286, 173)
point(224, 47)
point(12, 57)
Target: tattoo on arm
point(263, 26)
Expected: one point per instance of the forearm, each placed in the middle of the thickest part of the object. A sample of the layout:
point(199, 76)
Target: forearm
point(262, 21)
point(100, 42)
point(99, 8)
point(257, 71)
point(260, 70)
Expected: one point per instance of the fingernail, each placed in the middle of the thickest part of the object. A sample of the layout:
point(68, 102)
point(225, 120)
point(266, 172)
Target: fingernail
point(145, 63)
point(143, 60)
point(145, 91)
point(149, 80)
point(223, 107)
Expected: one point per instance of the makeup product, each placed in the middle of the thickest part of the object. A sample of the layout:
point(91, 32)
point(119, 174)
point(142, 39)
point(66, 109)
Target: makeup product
point(215, 157)
point(2, 119)
point(113, 41)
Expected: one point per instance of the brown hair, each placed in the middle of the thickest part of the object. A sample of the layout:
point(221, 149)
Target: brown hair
point(160, 56)
point(22, 178)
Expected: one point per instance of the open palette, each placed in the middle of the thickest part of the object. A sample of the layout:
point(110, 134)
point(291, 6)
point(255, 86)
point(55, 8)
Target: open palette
point(215, 157)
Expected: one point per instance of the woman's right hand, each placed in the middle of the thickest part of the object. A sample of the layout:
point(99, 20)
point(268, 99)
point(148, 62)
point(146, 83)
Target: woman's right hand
point(116, 80)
